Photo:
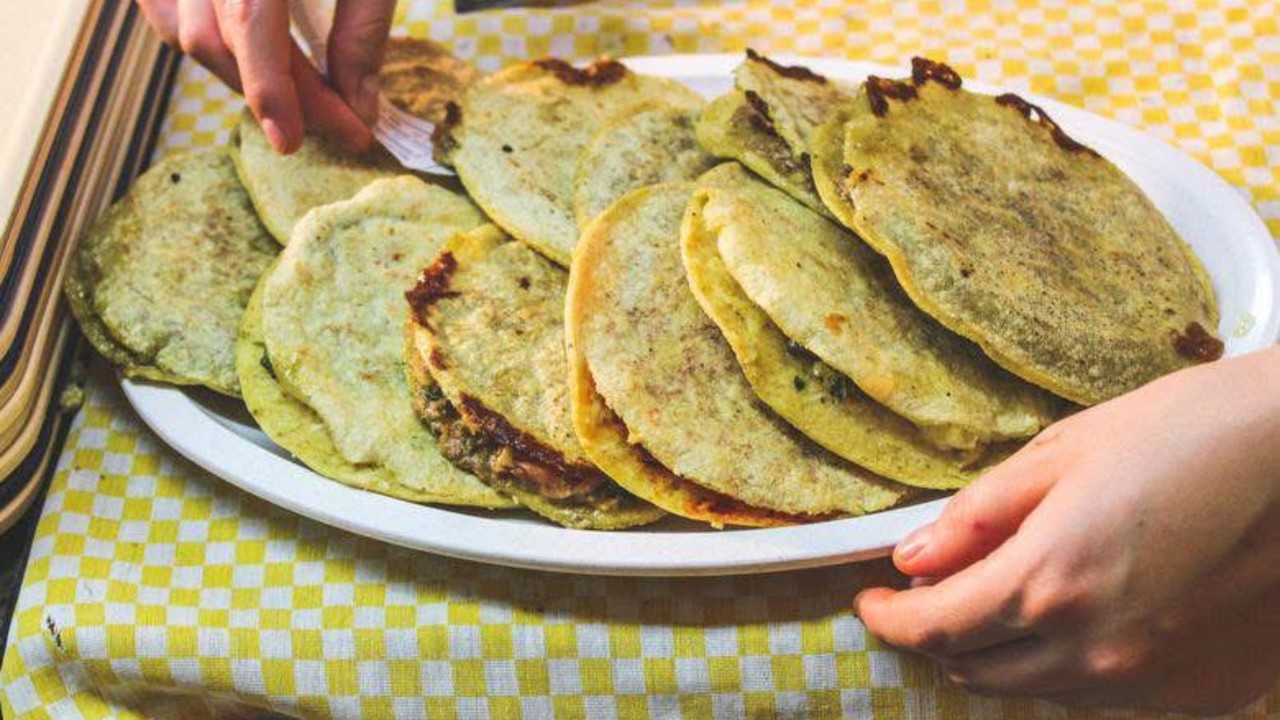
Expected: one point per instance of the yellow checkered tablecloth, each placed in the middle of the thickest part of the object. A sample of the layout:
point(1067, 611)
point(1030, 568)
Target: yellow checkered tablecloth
point(156, 590)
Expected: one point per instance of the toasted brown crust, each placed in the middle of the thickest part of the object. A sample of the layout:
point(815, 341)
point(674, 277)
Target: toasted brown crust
point(1042, 118)
point(1196, 344)
point(705, 503)
point(442, 140)
point(1062, 238)
point(794, 72)
point(483, 443)
point(923, 70)
point(773, 148)
point(880, 89)
point(574, 479)
point(760, 116)
point(473, 436)
point(433, 286)
point(600, 73)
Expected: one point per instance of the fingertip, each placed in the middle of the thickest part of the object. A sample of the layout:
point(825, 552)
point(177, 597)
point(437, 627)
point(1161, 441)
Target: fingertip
point(328, 115)
point(867, 599)
point(277, 109)
point(911, 548)
point(977, 520)
point(273, 133)
point(280, 141)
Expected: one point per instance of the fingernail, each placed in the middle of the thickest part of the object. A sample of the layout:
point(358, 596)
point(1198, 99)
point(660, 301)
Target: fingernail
point(367, 99)
point(275, 136)
point(856, 600)
point(913, 544)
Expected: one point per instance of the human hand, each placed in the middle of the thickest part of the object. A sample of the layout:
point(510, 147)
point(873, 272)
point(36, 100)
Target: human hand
point(1128, 556)
point(246, 43)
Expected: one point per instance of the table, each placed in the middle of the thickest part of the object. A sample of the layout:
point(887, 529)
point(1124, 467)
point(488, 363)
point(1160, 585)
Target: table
point(155, 589)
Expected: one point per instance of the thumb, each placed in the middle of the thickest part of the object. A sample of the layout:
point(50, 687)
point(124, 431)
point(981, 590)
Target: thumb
point(983, 515)
point(356, 44)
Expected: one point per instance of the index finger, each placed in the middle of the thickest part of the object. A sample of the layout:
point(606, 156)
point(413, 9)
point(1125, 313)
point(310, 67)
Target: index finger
point(971, 610)
point(257, 31)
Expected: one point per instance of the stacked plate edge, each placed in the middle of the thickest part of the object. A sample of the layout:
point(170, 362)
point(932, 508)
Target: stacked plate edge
point(79, 132)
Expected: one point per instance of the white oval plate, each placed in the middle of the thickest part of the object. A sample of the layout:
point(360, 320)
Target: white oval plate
point(218, 435)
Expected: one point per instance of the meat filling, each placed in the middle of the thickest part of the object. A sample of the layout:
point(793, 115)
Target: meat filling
point(502, 459)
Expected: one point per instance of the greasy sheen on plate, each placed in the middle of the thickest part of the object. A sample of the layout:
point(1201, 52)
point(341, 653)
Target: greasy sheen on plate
point(486, 354)
point(160, 280)
point(662, 366)
point(651, 144)
point(836, 298)
point(818, 401)
point(333, 324)
point(288, 421)
point(516, 137)
point(1018, 237)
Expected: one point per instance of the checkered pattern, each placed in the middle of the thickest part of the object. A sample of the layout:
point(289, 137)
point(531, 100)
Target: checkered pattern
point(1201, 75)
point(156, 590)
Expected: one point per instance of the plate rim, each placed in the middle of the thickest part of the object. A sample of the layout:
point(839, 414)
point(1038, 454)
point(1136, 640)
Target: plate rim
point(185, 426)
